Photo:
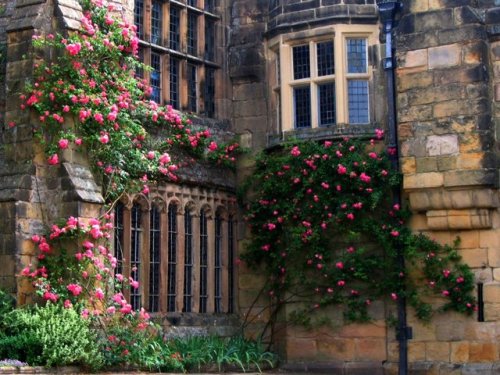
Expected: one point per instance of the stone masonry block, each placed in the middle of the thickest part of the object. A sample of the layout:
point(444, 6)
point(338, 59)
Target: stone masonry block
point(442, 145)
point(417, 58)
point(444, 56)
point(491, 292)
point(437, 351)
point(407, 81)
point(490, 239)
point(376, 329)
point(475, 258)
point(483, 352)
point(300, 349)
point(496, 274)
point(370, 349)
point(337, 349)
point(494, 257)
point(459, 352)
point(423, 180)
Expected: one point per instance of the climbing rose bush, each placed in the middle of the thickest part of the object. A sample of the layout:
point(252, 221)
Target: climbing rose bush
point(90, 99)
point(325, 232)
point(77, 270)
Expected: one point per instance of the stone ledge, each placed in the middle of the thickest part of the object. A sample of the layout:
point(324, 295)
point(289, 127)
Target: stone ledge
point(443, 199)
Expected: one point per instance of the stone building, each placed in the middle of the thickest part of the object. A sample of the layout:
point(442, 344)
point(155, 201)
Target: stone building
point(267, 71)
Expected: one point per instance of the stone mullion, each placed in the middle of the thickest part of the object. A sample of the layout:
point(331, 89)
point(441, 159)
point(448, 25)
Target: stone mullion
point(211, 264)
point(179, 294)
point(163, 260)
point(196, 263)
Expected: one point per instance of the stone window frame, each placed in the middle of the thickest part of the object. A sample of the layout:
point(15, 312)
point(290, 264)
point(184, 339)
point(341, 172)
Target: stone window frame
point(214, 204)
point(280, 53)
point(201, 58)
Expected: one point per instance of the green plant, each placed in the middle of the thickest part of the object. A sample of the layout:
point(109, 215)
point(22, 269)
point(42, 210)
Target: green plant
point(325, 232)
point(50, 336)
point(7, 304)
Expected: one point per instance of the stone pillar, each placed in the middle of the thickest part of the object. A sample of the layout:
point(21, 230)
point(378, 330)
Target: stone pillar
point(447, 141)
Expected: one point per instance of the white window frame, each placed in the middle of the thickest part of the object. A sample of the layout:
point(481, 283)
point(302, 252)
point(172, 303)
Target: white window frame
point(339, 34)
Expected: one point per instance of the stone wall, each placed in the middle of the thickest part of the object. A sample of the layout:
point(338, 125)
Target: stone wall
point(445, 80)
point(288, 15)
point(31, 194)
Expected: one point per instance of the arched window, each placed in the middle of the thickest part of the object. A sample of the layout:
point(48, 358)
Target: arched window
point(118, 239)
point(230, 262)
point(218, 264)
point(135, 254)
point(154, 259)
point(188, 261)
point(172, 257)
point(203, 262)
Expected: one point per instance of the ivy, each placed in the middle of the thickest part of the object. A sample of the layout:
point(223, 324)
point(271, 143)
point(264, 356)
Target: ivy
point(325, 232)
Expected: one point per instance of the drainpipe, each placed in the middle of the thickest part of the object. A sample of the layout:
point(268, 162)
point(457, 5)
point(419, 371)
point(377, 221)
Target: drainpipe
point(388, 11)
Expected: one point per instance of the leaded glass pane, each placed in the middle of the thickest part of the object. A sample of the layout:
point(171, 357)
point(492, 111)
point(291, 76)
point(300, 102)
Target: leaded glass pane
point(156, 22)
point(302, 106)
point(209, 40)
point(326, 93)
point(192, 34)
point(230, 262)
point(356, 55)
point(192, 88)
point(210, 92)
point(155, 77)
point(154, 260)
point(139, 17)
point(172, 257)
point(174, 82)
point(218, 264)
point(203, 262)
point(301, 65)
point(358, 102)
point(325, 58)
point(188, 261)
point(118, 239)
point(210, 6)
point(135, 254)
point(174, 29)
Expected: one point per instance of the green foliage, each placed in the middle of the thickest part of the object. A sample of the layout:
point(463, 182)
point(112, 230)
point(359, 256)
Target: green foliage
point(49, 336)
point(7, 303)
point(326, 232)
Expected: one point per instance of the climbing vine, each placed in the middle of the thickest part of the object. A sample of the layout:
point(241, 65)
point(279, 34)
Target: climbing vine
point(325, 232)
point(89, 97)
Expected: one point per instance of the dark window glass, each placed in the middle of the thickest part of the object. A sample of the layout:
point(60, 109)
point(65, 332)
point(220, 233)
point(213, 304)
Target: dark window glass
point(174, 82)
point(301, 65)
point(203, 262)
point(139, 72)
point(326, 94)
point(218, 265)
point(139, 17)
point(358, 102)
point(188, 261)
point(193, 3)
point(230, 262)
point(192, 88)
point(210, 92)
point(356, 56)
point(156, 22)
point(135, 255)
point(325, 58)
point(209, 40)
point(210, 6)
point(154, 260)
point(302, 102)
point(174, 29)
point(155, 77)
point(118, 239)
point(172, 257)
point(192, 34)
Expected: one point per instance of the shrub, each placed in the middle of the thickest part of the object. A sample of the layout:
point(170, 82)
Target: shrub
point(50, 336)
